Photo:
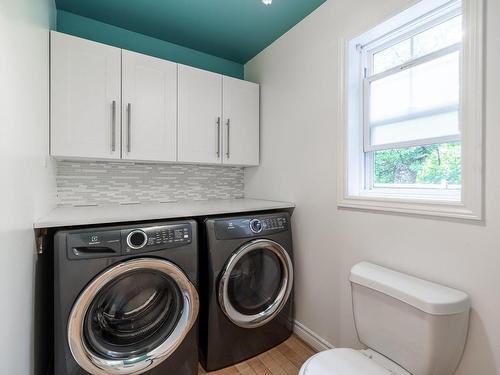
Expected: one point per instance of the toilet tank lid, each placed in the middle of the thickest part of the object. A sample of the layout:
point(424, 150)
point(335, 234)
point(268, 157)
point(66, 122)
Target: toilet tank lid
point(424, 295)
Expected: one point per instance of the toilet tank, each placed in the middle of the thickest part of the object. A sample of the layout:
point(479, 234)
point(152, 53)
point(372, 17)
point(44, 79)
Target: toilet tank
point(420, 325)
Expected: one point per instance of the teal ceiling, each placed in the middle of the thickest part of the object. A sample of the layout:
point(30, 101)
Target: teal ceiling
point(236, 30)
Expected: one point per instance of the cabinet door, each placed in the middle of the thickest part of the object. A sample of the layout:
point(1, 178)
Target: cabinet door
point(241, 122)
point(200, 107)
point(149, 97)
point(85, 98)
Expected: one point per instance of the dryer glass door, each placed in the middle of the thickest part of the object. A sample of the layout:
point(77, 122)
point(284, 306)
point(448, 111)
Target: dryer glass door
point(256, 283)
point(132, 317)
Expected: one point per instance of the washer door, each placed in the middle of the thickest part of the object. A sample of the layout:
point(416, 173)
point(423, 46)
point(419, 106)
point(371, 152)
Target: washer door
point(256, 283)
point(132, 317)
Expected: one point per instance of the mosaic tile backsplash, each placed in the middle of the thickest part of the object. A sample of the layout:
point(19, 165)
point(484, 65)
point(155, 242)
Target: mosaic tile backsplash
point(84, 183)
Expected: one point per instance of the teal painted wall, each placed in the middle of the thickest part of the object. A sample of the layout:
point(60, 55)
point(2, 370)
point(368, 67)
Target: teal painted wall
point(87, 28)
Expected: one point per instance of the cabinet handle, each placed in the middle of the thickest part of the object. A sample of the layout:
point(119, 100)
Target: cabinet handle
point(113, 126)
point(218, 137)
point(129, 125)
point(228, 123)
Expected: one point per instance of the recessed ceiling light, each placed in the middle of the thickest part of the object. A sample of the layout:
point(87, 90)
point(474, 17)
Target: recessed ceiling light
point(267, 2)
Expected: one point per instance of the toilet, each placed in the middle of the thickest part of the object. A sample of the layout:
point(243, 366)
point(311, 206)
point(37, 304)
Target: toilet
point(409, 325)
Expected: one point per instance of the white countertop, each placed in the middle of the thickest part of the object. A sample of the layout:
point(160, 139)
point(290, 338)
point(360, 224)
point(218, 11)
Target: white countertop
point(70, 216)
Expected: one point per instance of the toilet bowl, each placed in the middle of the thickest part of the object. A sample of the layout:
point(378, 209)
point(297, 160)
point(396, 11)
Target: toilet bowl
point(410, 326)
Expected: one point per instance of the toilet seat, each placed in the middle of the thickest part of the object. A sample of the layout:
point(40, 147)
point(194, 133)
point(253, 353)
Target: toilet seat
point(342, 361)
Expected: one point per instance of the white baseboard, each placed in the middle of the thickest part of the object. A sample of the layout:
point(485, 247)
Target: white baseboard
point(312, 338)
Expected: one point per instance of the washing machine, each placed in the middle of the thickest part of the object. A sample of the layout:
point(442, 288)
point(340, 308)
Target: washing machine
point(247, 287)
point(126, 300)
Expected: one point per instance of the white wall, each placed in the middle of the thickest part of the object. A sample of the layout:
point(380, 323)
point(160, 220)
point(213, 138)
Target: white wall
point(27, 186)
point(299, 86)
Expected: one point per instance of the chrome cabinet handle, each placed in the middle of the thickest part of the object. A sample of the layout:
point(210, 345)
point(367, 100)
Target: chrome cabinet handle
point(113, 126)
point(218, 137)
point(228, 123)
point(129, 124)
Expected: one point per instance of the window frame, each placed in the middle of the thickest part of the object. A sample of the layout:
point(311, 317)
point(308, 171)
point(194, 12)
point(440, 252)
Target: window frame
point(355, 186)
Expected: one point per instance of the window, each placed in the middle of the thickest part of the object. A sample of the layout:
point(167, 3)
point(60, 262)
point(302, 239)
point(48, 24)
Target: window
point(411, 103)
point(411, 106)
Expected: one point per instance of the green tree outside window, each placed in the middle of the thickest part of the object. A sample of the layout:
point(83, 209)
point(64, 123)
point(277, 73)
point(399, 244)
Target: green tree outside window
point(432, 164)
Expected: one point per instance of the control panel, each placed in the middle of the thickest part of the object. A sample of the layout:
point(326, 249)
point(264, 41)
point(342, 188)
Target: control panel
point(86, 244)
point(251, 227)
point(156, 238)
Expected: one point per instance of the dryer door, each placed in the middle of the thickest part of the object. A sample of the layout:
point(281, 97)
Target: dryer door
point(256, 283)
point(132, 317)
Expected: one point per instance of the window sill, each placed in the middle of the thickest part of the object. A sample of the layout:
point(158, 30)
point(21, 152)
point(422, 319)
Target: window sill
point(410, 205)
point(441, 196)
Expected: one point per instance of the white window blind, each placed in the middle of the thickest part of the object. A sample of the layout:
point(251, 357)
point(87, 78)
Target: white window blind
point(412, 88)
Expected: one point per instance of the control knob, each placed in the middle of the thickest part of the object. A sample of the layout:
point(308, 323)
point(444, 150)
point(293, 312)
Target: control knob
point(137, 239)
point(256, 225)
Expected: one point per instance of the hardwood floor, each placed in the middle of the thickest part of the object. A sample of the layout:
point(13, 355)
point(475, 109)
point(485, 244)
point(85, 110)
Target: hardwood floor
point(285, 359)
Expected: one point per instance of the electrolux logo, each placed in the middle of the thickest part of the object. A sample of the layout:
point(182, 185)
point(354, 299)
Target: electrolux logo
point(94, 240)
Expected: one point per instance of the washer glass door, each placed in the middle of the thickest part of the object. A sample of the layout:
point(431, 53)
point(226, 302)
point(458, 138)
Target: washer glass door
point(132, 314)
point(132, 317)
point(256, 283)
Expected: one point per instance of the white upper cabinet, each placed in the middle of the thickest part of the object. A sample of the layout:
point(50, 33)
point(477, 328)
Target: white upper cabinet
point(149, 108)
point(108, 103)
point(241, 122)
point(199, 116)
point(218, 118)
point(85, 98)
